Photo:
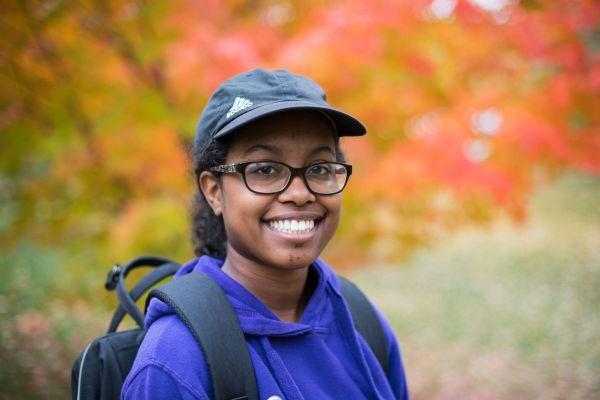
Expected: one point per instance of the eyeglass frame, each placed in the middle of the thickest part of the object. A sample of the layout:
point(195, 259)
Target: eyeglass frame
point(301, 172)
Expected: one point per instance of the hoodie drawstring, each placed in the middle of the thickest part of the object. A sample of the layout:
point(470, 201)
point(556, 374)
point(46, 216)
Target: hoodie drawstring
point(281, 373)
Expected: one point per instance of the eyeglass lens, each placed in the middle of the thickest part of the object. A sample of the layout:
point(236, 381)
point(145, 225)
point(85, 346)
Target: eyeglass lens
point(272, 177)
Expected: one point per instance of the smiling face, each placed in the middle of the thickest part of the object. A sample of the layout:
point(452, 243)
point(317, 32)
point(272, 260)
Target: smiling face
point(287, 230)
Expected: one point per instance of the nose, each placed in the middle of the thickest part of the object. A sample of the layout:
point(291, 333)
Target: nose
point(297, 192)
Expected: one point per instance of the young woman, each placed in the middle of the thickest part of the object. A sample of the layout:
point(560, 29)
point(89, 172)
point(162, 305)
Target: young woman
point(270, 174)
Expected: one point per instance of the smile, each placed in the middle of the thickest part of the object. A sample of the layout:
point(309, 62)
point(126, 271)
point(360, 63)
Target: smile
point(293, 226)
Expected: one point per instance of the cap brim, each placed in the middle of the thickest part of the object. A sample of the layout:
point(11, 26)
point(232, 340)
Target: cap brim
point(346, 124)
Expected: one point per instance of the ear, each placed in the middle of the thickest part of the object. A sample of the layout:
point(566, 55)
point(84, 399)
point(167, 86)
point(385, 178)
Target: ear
point(211, 188)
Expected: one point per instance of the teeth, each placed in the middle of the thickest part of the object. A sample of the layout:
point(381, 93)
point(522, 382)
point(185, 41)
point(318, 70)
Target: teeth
point(292, 226)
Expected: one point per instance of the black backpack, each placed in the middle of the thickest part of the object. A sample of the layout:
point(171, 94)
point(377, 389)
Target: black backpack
point(100, 370)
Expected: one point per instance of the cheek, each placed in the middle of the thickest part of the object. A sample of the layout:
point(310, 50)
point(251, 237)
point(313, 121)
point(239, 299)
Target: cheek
point(333, 204)
point(241, 208)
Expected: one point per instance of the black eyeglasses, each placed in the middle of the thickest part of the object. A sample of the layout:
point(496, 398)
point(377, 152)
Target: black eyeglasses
point(270, 177)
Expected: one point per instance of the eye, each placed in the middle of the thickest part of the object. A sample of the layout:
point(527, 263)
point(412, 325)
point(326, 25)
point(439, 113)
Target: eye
point(320, 169)
point(264, 169)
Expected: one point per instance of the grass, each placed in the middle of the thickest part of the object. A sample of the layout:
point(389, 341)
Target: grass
point(507, 312)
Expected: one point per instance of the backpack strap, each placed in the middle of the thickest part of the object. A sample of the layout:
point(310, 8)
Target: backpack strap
point(119, 272)
point(204, 308)
point(116, 280)
point(365, 320)
point(125, 306)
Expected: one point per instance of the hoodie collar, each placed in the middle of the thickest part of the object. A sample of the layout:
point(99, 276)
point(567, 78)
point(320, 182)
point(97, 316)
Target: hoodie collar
point(255, 317)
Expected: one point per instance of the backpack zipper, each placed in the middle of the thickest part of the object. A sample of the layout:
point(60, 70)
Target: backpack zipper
point(80, 370)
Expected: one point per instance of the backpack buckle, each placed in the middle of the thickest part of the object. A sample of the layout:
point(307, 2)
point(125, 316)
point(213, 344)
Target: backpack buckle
point(112, 278)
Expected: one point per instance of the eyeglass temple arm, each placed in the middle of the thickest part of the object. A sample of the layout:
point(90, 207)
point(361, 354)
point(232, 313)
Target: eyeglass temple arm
point(225, 168)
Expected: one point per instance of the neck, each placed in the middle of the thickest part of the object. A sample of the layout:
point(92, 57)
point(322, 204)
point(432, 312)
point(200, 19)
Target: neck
point(284, 291)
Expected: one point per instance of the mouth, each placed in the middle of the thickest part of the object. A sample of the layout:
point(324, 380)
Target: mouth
point(294, 226)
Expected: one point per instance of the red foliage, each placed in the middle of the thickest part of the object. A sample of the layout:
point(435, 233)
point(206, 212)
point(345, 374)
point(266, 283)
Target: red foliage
point(419, 79)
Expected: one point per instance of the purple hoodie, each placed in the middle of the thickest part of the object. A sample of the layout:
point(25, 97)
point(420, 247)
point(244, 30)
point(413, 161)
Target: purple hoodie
point(320, 357)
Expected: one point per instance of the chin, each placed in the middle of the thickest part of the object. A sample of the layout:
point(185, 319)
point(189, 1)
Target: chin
point(295, 259)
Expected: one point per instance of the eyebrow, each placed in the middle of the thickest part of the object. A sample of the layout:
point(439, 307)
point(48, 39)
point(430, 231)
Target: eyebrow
point(322, 149)
point(275, 150)
point(265, 147)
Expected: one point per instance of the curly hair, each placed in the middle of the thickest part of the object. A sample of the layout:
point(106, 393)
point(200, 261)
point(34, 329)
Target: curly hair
point(208, 230)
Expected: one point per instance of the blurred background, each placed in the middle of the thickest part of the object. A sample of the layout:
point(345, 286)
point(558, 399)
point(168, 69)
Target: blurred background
point(472, 217)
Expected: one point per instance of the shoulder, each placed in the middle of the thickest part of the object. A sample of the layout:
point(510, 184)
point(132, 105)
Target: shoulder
point(169, 364)
point(396, 373)
point(369, 314)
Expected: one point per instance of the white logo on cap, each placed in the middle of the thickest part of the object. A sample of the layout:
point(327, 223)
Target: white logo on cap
point(239, 104)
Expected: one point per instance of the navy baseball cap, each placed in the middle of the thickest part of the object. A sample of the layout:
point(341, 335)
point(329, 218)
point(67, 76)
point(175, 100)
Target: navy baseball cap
point(255, 94)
